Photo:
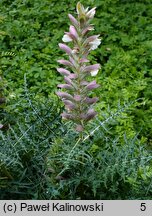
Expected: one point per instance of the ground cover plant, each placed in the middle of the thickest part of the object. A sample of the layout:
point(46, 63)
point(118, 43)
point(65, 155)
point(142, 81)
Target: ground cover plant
point(42, 156)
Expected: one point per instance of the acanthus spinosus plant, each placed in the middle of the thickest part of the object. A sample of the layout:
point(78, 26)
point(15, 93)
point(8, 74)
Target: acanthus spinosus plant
point(76, 69)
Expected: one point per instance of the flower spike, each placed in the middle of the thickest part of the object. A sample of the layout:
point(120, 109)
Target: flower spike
point(76, 89)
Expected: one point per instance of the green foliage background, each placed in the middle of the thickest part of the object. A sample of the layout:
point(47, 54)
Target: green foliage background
point(116, 161)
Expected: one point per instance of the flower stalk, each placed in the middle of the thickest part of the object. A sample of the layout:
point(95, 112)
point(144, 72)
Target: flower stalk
point(76, 70)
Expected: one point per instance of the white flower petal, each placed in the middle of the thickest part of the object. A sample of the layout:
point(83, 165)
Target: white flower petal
point(86, 9)
point(94, 44)
point(66, 38)
point(94, 72)
point(91, 13)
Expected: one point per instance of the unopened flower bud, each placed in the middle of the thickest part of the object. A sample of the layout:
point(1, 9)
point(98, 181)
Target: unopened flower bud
point(67, 116)
point(77, 98)
point(73, 20)
point(73, 32)
point(65, 62)
point(65, 48)
point(90, 114)
point(79, 128)
point(69, 104)
point(66, 86)
point(92, 85)
point(91, 68)
point(65, 95)
point(63, 71)
point(91, 100)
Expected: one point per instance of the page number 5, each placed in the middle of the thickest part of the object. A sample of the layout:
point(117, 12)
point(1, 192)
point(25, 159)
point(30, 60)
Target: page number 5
point(143, 207)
